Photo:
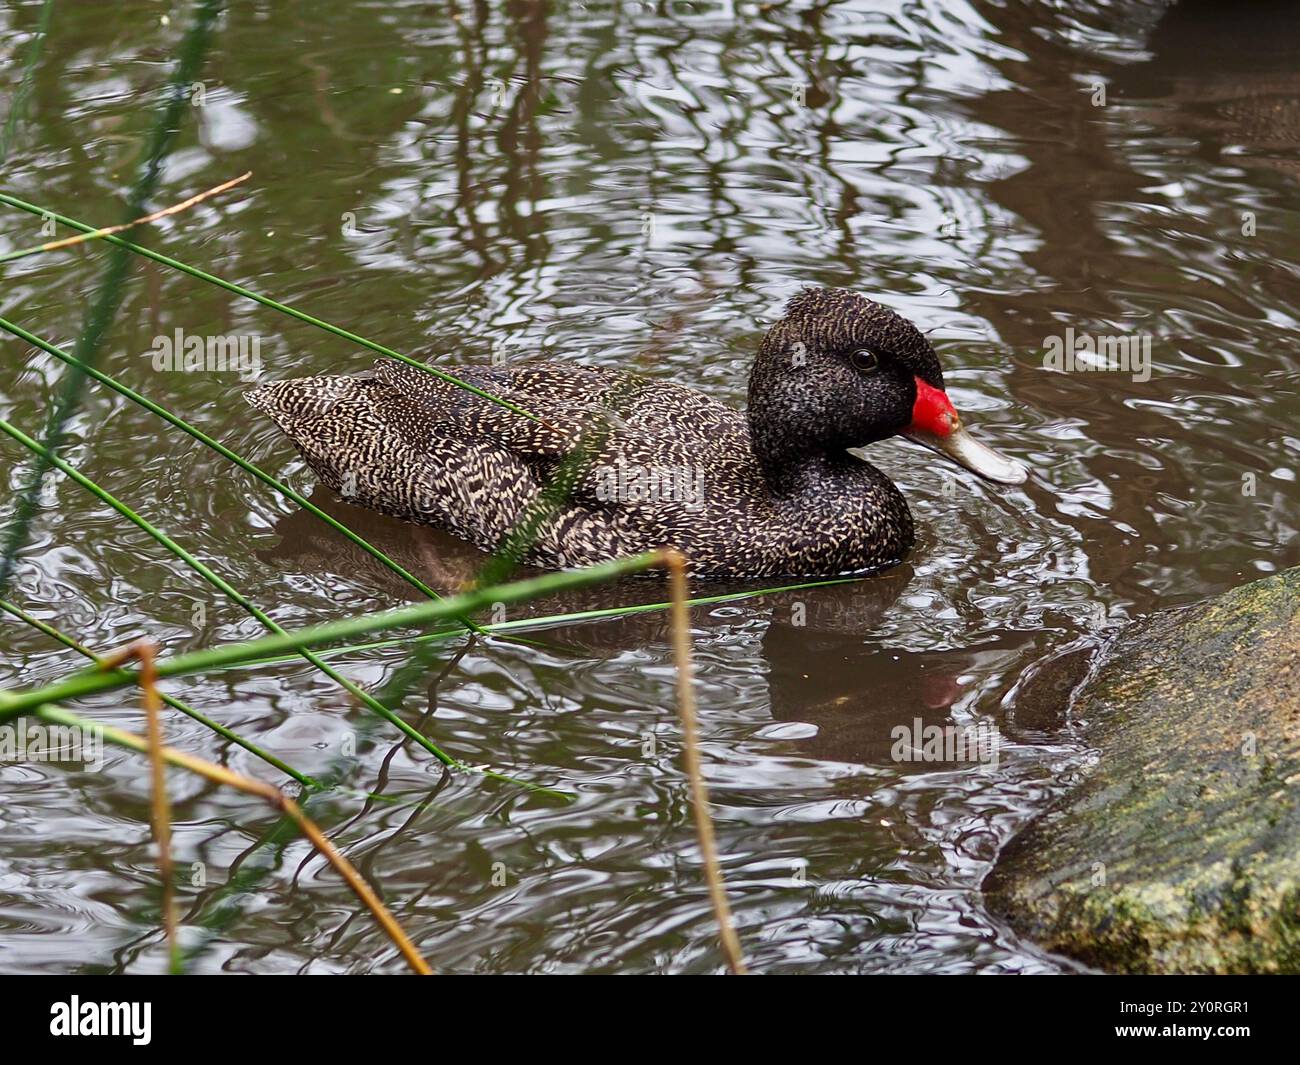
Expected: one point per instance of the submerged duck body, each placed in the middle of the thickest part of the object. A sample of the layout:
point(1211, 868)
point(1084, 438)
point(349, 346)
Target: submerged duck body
point(772, 491)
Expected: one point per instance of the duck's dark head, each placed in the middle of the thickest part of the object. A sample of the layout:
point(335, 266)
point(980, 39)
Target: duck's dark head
point(839, 371)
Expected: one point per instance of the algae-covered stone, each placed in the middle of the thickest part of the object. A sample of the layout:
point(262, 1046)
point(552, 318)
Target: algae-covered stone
point(1180, 852)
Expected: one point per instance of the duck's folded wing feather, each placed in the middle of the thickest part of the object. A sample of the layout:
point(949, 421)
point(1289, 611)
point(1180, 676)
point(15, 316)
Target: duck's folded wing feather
point(601, 417)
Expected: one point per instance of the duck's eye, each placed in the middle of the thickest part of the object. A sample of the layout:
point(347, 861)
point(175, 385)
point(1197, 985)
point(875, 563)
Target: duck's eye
point(865, 359)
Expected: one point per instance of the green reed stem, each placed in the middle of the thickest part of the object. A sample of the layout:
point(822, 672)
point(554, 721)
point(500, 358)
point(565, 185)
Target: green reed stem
point(266, 301)
point(549, 620)
point(225, 452)
point(19, 106)
point(176, 704)
point(109, 295)
point(247, 604)
point(82, 684)
point(226, 904)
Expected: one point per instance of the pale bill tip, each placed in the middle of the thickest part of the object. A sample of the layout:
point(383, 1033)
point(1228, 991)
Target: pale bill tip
point(966, 451)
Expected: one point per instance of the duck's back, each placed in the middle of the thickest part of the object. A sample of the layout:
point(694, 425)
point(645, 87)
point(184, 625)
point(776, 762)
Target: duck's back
point(646, 463)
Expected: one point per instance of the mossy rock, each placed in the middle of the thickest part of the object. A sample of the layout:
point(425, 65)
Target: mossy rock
point(1180, 852)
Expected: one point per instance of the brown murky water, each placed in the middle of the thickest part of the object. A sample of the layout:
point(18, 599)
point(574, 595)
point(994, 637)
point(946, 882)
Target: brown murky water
point(473, 180)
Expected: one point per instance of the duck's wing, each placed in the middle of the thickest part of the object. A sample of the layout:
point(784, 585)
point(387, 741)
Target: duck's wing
point(404, 442)
point(610, 417)
point(424, 404)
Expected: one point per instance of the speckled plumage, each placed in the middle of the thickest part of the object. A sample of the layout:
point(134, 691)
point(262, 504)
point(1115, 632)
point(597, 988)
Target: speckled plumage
point(781, 496)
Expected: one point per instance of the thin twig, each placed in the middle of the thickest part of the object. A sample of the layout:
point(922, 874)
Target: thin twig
point(110, 292)
point(266, 301)
point(676, 566)
point(273, 795)
point(108, 231)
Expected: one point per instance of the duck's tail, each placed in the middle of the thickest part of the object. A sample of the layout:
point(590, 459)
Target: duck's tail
point(289, 403)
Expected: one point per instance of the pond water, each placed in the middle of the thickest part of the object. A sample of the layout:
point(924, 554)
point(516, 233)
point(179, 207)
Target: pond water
point(642, 185)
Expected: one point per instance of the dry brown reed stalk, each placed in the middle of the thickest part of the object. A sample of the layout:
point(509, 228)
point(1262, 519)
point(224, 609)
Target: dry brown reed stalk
point(158, 753)
point(675, 563)
point(145, 652)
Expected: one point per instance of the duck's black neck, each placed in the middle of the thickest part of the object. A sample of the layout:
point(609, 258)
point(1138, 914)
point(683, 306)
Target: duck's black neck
point(861, 512)
point(797, 429)
point(790, 467)
point(796, 458)
point(831, 479)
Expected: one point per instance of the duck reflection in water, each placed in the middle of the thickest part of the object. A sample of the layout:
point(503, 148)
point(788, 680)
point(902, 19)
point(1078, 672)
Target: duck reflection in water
point(825, 667)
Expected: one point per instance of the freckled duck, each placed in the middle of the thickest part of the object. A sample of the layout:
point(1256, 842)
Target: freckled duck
point(769, 492)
